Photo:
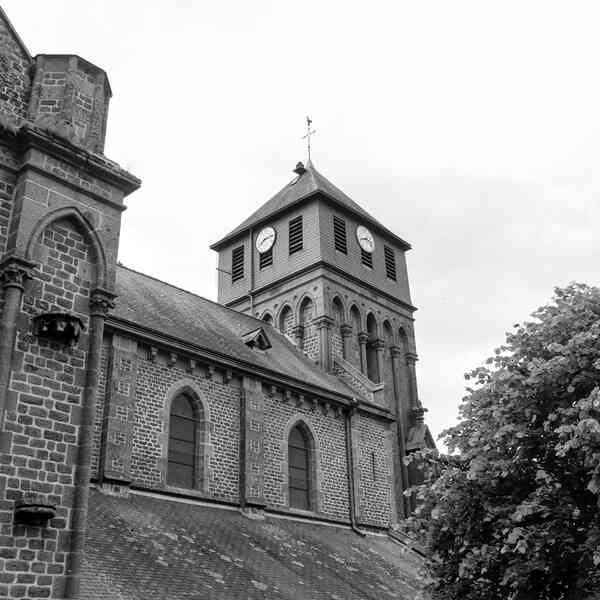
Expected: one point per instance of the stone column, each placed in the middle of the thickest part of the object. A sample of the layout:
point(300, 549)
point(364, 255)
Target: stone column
point(13, 274)
point(346, 333)
point(252, 426)
point(323, 325)
point(379, 347)
point(363, 338)
point(401, 482)
point(101, 302)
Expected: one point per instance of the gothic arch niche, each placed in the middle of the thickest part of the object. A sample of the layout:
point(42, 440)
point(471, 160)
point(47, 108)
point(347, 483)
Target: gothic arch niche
point(337, 313)
point(306, 314)
point(67, 234)
point(267, 318)
point(372, 360)
point(285, 322)
point(186, 444)
point(301, 467)
point(355, 321)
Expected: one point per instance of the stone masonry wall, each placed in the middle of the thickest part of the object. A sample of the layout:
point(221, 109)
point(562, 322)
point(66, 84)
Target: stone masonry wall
point(329, 432)
point(154, 380)
point(375, 472)
point(43, 415)
point(15, 83)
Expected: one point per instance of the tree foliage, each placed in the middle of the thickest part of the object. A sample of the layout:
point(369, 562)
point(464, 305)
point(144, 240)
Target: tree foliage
point(513, 512)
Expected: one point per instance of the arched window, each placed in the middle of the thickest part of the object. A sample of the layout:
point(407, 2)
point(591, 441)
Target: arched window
point(267, 318)
point(286, 321)
point(299, 469)
point(183, 426)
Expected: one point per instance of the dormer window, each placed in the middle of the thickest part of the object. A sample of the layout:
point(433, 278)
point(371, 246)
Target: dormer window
point(257, 339)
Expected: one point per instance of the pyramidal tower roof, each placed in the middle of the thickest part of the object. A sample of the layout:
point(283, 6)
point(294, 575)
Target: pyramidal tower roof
point(307, 184)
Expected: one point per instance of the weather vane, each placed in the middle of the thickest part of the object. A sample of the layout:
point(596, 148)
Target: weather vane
point(309, 132)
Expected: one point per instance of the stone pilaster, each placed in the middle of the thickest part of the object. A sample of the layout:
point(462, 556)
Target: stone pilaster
point(411, 360)
point(379, 347)
point(119, 412)
point(399, 429)
point(323, 325)
point(14, 272)
point(363, 338)
point(346, 333)
point(252, 427)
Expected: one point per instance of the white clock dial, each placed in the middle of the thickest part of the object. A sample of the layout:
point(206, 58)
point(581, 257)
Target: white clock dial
point(365, 239)
point(265, 239)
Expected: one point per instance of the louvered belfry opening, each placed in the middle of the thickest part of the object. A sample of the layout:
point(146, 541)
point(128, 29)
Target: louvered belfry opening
point(366, 258)
point(183, 426)
point(295, 235)
point(265, 259)
point(237, 263)
point(390, 262)
point(299, 469)
point(339, 235)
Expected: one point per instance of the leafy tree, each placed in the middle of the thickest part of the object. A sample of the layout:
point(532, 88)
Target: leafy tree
point(513, 512)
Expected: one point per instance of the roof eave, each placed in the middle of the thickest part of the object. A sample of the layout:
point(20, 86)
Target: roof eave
point(237, 234)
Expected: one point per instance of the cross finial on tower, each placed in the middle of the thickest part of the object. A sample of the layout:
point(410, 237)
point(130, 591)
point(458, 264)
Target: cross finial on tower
point(309, 132)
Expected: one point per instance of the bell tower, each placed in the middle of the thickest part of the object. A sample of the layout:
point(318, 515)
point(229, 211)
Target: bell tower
point(321, 270)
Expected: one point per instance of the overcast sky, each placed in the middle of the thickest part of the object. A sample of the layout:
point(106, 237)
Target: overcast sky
point(470, 128)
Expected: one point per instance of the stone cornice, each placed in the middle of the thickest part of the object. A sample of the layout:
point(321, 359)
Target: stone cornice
point(31, 136)
point(170, 344)
point(326, 265)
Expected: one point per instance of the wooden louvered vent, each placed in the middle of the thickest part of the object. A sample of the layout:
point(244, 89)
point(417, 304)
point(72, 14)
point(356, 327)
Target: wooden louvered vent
point(237, 263)
point(366, 258)
point(295, 235)
point(265, 259)
point(339, 235)
point(390, 262)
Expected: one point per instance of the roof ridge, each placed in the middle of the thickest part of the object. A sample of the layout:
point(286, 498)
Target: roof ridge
point(237, 312)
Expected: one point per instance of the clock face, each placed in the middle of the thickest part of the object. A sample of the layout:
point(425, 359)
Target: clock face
point(265, 239)
point(365, 239)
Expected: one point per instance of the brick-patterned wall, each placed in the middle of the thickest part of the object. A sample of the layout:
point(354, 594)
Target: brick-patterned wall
point(375, 472)
point(336, 344)
point(7, 185)
point(310, 341)
point(329, 431)
point(154, 380)
point(43, 414)
point(15, 84)
point(98, 418)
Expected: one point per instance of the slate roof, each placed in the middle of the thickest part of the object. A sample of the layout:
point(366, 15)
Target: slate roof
point(302, 187)
point(166, 309)
point(145, 547)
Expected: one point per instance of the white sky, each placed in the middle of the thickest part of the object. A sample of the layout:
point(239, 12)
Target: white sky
point(470, 128)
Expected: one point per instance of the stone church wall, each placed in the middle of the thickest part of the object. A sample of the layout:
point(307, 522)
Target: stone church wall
point(15, 83)
point(375, 472)
point(43, 413)
point(329, 432)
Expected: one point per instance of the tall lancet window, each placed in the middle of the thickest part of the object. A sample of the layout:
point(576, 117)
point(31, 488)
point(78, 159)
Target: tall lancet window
point(299, 467)
point(181, 466)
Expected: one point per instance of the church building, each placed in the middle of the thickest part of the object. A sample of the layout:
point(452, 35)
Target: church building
point(154, 443)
